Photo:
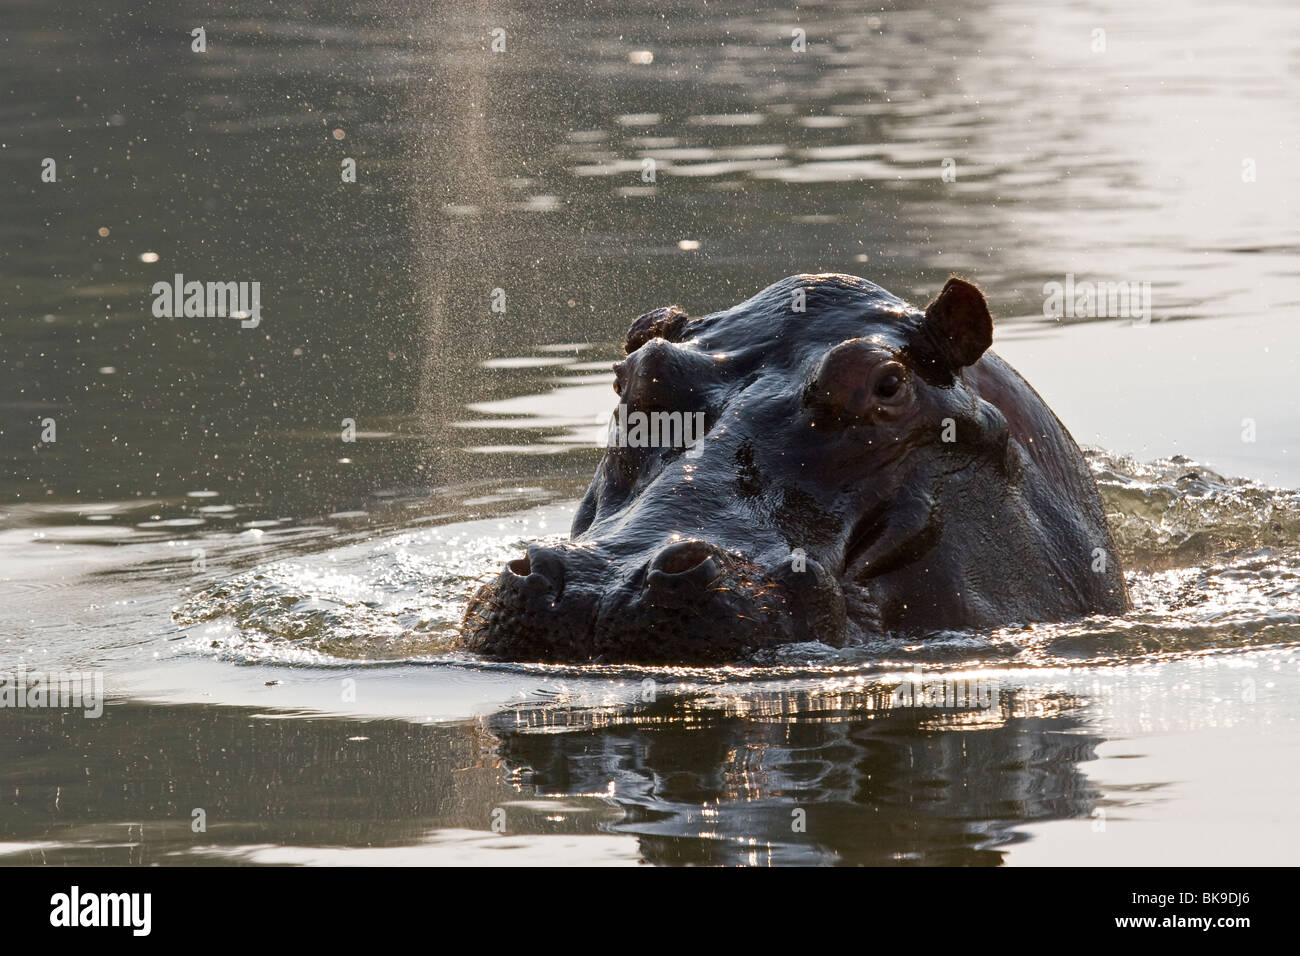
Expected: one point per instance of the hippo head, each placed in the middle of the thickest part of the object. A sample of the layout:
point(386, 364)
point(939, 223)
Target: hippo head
point(770, 471)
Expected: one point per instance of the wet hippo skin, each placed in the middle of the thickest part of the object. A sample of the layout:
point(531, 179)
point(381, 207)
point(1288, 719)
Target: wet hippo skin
point(866, 467)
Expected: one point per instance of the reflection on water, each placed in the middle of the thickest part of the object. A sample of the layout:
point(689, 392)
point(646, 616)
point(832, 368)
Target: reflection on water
point(921, 772)
point(955, 768)
point(933, 772)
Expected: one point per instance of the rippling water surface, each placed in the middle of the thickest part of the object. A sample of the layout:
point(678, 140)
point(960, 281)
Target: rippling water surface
point(273, 608)
point(1214, 565)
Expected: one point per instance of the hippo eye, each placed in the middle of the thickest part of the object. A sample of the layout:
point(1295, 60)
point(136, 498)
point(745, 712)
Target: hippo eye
point(889, 385)
point(859, 382)
point(889, 382)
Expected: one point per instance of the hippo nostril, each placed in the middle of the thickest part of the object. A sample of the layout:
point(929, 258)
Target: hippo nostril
point(540, 571)
point(685, 564)
point(682, 557)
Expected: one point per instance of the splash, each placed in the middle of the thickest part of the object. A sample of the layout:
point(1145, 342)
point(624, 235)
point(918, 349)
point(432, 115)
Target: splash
point(1213, 565)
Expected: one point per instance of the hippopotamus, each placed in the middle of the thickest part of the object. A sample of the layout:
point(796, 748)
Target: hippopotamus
point(860, 469)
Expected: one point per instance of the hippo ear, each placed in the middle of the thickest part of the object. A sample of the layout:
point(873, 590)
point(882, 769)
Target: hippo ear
point(958, 325)
point(666, 323)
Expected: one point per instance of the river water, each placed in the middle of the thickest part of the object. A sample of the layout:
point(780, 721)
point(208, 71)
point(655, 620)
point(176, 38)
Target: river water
point(272, 607)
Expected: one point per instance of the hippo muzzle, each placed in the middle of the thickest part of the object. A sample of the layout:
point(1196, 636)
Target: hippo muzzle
point(822, 463)
point(689, 602)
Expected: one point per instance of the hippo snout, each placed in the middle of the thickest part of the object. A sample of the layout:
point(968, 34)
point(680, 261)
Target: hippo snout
point(688, 601)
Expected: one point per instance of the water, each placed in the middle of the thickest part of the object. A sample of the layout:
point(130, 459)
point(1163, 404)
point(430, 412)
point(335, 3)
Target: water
point(273, 608)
